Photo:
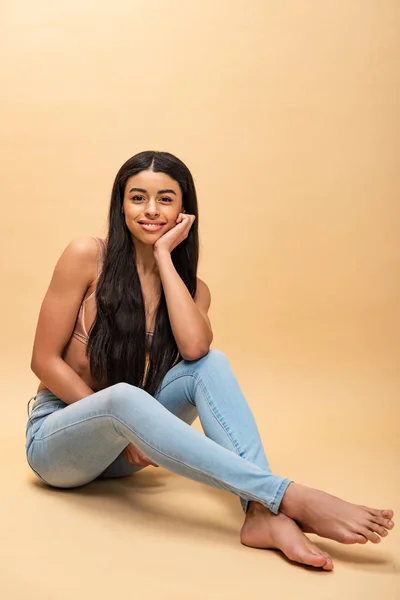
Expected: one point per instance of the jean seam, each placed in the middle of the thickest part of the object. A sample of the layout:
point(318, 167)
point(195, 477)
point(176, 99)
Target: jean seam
point(178, 376)
point(213, 411)
point(183, 463)
point(284, 483)
point(217, 416)
point(211, 406)
point(45, 437)
point(222, 484)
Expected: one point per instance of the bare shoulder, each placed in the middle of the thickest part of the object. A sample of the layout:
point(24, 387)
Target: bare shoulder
point(81, 250)
point(79, 260)
point(73, 274)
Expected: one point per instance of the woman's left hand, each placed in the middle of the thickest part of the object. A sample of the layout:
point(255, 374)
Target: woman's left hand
point(170, 240)
point(135, 457)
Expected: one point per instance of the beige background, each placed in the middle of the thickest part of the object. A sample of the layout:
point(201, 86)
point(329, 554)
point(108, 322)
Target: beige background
point(287, 113)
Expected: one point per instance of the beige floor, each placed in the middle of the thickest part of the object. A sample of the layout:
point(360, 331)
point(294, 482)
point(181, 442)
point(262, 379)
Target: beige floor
point(157, 535)
point(287, 115)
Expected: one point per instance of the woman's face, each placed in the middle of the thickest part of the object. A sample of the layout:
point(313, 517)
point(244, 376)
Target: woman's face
point(152, 203)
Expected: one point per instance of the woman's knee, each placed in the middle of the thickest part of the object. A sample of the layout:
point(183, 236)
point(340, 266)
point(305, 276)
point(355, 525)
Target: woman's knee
point(123, 395)
point(214, 357)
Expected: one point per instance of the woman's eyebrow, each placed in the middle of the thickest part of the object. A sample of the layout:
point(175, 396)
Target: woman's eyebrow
point(145, 191)
point(167, 192)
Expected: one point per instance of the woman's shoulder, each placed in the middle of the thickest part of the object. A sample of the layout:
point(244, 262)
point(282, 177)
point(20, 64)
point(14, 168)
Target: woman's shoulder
point(82, 252)
point(85, 247)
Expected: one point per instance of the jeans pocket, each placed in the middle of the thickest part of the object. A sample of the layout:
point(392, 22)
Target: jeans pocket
point(39, 415)
point(45, 409)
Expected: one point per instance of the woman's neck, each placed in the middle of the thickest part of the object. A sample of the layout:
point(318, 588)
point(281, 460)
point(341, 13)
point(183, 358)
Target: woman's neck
point(145, 262)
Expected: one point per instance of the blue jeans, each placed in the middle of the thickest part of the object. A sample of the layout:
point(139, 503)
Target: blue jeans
point(69, 445)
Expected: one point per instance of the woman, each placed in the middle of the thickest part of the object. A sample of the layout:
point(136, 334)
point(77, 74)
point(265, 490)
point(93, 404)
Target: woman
point(122, 350)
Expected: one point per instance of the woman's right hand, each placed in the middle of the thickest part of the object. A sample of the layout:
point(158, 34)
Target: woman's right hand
point(135, 457)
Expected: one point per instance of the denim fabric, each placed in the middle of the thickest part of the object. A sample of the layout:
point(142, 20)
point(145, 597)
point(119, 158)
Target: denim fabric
point(69, 445)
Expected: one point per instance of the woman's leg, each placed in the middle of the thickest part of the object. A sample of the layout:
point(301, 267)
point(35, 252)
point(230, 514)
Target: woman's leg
point(75, 445)
point(208, 388)
point(178, 406)
point(178, 394)
point(210, 385)
point(64, 448)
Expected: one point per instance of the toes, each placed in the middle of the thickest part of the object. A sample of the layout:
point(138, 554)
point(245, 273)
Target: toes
point(311, 555)
point(370, 535)
point(382, 517)
point(381, 521)
point(357, 539)
point(389, 524)
point(378, 529)
point(315, 560)
point(328, 566)
point(384, 532)
point(352, 538)
point(388, 514)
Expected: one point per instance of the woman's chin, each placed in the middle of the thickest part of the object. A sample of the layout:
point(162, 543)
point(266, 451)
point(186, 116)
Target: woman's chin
point(146, 240)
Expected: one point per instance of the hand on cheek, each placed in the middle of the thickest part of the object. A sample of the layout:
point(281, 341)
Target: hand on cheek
point(172, 238)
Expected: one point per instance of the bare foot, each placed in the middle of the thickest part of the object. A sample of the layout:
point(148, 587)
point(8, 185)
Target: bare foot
point(262, 529)
point(331, 517)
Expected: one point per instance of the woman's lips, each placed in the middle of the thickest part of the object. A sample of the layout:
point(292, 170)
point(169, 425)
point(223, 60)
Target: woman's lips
point(152, 227)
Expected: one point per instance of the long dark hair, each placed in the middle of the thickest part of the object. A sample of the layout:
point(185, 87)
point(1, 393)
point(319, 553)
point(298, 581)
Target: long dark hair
point(117, 340)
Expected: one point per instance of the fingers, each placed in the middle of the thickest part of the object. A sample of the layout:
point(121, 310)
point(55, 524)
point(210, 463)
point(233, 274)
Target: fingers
point(141, 462)
point(144, 461)
point(187, 221)
point(184, 219)
point(135, 457)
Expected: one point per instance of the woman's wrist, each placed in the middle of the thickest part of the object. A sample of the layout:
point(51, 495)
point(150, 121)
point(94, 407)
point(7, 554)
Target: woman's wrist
point(161, 254)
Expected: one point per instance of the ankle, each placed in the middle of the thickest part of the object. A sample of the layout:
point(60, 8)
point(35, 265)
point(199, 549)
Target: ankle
point(253, 505)
point(290, 501)
point(256, 509)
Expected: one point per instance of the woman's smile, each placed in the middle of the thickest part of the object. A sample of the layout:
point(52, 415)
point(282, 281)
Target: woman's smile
point(148, 226)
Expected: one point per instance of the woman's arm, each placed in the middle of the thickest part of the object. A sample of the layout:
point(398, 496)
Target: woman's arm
point(73, 274)
point(189, 321)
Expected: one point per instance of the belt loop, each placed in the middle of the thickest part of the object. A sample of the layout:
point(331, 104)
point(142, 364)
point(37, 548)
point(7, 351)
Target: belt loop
point(33, 398)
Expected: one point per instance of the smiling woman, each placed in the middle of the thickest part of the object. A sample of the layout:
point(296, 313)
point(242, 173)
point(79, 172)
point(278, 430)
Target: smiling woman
point(122, 349)
point(125, 299)
point(134, 204)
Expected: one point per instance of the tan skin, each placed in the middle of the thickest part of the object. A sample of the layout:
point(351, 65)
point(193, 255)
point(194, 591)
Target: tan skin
point(74, 278)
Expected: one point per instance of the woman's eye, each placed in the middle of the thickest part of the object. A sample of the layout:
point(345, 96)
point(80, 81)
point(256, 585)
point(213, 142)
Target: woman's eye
point(141, 198)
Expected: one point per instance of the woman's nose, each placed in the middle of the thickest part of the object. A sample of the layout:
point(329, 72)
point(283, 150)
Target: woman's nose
point(152, 208)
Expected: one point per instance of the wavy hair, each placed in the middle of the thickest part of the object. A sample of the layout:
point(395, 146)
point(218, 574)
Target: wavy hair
point(117, 340)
